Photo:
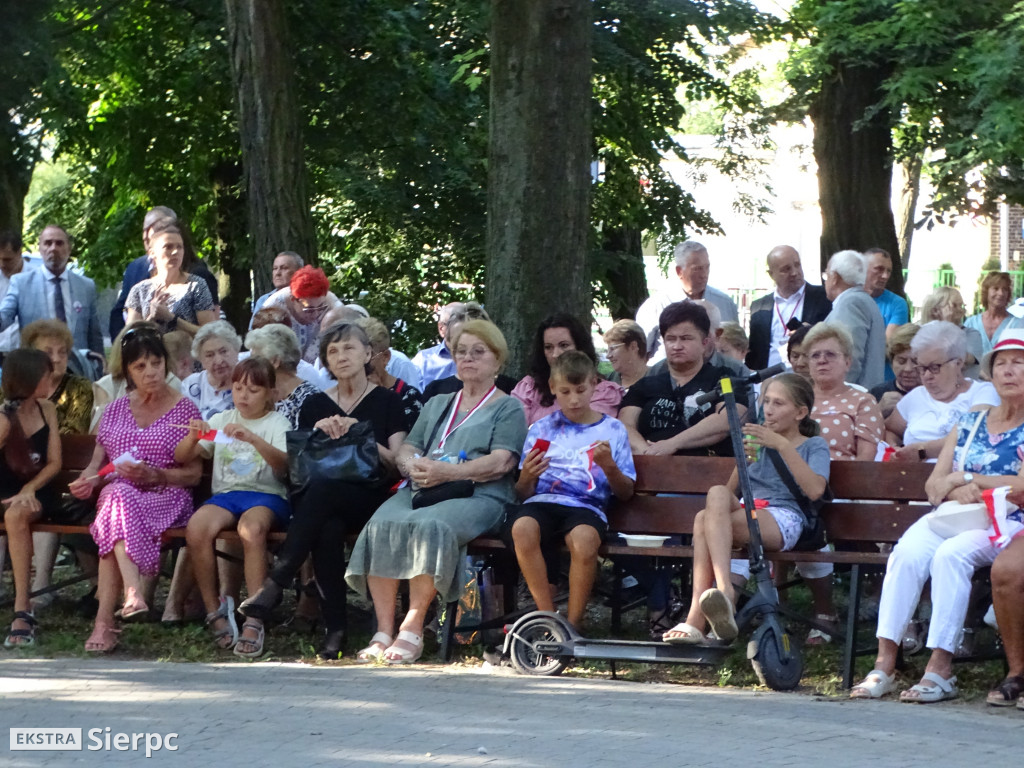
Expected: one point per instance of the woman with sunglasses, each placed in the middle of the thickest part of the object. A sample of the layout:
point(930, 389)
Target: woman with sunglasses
point(927, 414)
point(147, 492)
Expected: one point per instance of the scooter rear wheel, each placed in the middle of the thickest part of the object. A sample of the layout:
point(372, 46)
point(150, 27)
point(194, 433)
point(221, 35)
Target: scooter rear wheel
point(526, 659)
point(766, 652)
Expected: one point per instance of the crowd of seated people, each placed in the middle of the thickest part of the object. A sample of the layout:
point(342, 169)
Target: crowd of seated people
point(463, 450)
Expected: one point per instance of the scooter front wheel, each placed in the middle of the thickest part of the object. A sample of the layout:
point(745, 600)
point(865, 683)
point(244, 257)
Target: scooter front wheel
point(527, 658)
point(776, 661)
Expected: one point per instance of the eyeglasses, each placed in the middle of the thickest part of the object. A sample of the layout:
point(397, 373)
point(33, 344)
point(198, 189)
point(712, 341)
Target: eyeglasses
point(613, 347)
point(471, 354)
point(132, 333)
point(824, 355)
point(933, 369)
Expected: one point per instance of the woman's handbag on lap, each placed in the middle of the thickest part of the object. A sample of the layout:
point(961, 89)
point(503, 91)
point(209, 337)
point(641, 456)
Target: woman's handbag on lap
point(314, 456)
point(952, 518)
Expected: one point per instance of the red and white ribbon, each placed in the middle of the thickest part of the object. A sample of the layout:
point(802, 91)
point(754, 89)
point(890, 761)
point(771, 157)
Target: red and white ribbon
point(997, 506)
point(884, 451)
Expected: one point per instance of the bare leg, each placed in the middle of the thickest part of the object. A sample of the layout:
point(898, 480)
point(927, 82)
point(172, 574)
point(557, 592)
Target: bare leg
point(18, 520)
point(182, 583)
point(108, 588)
point(583, 542)
point(230, 573)
point(44, 547)
point(208, 521)
point(130, 575)
point(526, 538)
point(421, 594)
point(253, 527)
point(384, 593)
point(1007, 588)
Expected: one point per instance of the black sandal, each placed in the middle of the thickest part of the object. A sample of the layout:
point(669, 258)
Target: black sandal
point(659, 623)
point(1007, 692)
point(22, 638)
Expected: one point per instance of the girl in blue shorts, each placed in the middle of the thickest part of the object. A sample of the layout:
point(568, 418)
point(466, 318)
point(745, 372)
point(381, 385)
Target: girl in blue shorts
point(249, 461)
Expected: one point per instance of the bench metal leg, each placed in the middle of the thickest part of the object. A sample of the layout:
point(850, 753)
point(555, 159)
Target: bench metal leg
point(446, 635)
point(850, 642)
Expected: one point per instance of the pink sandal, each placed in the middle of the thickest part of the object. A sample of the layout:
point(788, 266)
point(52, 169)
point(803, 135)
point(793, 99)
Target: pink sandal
point(104, 638)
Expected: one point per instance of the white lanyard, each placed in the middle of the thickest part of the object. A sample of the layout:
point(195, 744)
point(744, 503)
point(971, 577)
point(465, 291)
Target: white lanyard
point(448, 428)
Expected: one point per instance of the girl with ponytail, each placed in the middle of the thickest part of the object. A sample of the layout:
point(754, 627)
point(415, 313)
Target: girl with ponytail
point(721, 525)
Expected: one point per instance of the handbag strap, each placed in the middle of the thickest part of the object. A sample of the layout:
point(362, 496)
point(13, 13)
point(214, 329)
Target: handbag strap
point(808, 507)
point(438, 423)
point(970, 436)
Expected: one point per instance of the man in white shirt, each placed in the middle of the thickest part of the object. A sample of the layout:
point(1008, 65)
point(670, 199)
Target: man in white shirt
point(774, 315)
point(436, 362)
point(54, 292)
point(693, 267)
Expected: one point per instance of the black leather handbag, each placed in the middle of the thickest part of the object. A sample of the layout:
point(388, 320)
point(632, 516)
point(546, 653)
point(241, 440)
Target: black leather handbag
point(315, 457)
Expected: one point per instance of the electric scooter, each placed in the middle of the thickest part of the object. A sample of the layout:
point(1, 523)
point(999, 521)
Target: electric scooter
point(543, 642)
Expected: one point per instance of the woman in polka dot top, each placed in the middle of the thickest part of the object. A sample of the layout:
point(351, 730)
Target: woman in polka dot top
point(851, 421)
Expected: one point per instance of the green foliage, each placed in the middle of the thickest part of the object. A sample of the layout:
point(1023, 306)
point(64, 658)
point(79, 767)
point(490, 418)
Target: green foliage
point(952, 86)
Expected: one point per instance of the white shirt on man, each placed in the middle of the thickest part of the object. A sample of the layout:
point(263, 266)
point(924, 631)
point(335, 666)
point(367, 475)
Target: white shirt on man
point(785, 310)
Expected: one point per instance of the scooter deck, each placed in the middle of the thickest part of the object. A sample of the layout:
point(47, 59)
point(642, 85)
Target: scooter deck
point(641, 651)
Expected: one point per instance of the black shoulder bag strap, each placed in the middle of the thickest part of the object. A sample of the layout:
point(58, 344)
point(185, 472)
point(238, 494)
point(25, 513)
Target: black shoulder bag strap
point(813, 535)
point(437, 424)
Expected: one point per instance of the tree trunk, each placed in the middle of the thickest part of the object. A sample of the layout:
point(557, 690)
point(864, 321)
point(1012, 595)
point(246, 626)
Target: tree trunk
point(910, 190)
point(15, 175)
point(538, 201)
point(234, 255)
point(269, 125)
point(854, 157)
point(627, 280)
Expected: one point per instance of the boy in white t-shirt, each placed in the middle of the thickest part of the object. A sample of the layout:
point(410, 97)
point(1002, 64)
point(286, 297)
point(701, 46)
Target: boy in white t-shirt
point(247, 492)
point(574, 460)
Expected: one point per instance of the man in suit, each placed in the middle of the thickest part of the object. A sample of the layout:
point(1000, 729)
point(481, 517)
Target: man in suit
point(794, 299)
point(693, 268)
point(54, 292)
point(854, 309)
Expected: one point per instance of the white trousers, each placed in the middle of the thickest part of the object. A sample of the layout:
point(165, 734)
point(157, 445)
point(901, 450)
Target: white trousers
point(950, 563)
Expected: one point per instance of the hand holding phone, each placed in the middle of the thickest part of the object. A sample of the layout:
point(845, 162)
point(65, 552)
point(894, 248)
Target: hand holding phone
point(542, 445)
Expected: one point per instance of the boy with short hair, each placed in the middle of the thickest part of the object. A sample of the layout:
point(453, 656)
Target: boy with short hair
point(573, 461)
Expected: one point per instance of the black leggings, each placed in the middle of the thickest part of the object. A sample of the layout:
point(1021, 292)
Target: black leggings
point(322, 517)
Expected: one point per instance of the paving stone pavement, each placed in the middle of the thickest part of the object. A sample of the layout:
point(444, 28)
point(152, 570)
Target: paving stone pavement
point(285, 715)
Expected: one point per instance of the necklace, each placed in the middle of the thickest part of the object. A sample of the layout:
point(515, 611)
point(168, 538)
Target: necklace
point(358, 400)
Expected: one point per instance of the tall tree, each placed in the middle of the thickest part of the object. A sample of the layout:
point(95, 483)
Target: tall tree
point(538, 202)
point(269, 124)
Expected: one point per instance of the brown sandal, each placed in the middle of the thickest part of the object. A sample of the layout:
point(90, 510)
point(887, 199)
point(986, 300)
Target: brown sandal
point(1007, 692)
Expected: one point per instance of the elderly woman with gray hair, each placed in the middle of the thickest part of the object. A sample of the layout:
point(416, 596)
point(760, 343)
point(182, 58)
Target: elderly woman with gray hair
point(855, 310)
point(947, 303)
point(216, 347)
point(927, 414)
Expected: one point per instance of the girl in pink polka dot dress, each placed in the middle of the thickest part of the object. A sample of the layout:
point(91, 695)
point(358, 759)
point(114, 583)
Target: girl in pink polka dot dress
point(148, 493)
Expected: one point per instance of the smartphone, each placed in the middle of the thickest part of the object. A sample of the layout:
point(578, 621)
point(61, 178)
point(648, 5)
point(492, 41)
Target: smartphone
point(794, 324)
point(542, 445)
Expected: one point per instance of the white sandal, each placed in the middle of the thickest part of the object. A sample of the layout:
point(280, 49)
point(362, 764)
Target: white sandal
point(404, 655)
point(874, 686)
point(689, 635)
point(720, 614)
point(929, 694)
point(379, 643)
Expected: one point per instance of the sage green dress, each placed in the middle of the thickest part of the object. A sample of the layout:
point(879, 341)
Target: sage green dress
point(400, 542)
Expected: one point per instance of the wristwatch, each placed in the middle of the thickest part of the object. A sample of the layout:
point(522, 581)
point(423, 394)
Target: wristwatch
point(968, 478)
